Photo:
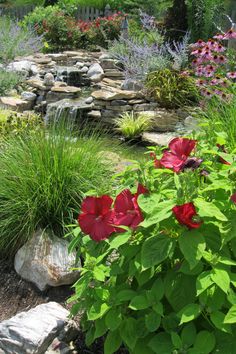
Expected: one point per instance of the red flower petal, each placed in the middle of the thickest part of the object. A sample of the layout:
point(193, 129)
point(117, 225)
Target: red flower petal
point(172, 161)
point(141, 190)
point(124, 202)
point(96, 205)
point(185, 213)
point(182, 147)
point(98, 228)
point(233, 198)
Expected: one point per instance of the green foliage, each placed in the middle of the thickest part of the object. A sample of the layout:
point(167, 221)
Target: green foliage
point(165, 288)
point(61, 30)
point(43, 176)
point(39, 14)
point(9, 80)
point(16, 41)
point(202, 14)
point(131, 126)
point(218, 122)
point(171, 88)
point(16, 123)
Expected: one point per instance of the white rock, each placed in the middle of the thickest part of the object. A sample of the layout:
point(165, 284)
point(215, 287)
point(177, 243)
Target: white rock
point(84, 69)
point(32, 332)
point(89, 100)
point(45, 261)
point(28, 96)
point(97, 77)
point(20, 66)
point(79, 64)
point(95, 69)
point(48, 79)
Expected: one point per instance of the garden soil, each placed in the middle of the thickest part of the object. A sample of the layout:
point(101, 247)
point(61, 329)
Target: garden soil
point(17, 295)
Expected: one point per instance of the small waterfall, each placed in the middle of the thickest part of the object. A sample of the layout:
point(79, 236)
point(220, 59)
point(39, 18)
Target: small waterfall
point(74, 110)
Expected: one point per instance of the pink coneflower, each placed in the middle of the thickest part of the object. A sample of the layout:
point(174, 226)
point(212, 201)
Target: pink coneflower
point(208, 73)
point(207, 55)
point(199, 71)
point(200, 82)
point(231, 34)
point(219, 48)
point(206, 93)
point(231, 75)
point(222, 59)
point(196, 61)
point(197, 52)
point(219, 36)
point(214, 82)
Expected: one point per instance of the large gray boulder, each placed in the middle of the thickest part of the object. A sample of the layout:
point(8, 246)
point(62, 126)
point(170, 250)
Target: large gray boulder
point(22, 66)
point(95, 72)
point(45, 261)
point(33, 331)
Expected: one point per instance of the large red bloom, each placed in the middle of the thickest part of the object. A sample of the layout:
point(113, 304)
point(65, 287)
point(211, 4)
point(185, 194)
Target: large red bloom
point(127, 211)
point(176, 158)
point(96, 219)
point(185, 213)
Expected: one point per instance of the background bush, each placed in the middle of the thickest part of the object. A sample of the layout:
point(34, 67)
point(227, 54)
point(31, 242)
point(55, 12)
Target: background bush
point(9, 80)
point(172, 89)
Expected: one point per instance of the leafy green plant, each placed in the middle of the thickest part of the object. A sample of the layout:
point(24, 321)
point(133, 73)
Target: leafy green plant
point(171, 88)
point(165, 283)
point(218, 120)
point(131, 126)
point(9, 80)
point(16, 123)
point(43, 176)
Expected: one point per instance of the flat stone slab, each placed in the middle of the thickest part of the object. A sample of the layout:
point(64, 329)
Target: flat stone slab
point(33, 331)
point(14, 104)
point(66, 89)
point(161, 139)
point(116, 94)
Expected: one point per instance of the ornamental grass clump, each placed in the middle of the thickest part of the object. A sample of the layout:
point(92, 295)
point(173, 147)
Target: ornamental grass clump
point(132, 126)
point(158, 271)
point(43, 177)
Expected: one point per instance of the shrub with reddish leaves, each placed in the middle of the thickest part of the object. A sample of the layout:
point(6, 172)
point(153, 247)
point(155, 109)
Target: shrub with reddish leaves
point(161, 279)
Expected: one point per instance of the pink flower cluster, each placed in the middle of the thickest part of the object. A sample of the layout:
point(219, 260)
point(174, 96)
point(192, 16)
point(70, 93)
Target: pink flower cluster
point(209, 66)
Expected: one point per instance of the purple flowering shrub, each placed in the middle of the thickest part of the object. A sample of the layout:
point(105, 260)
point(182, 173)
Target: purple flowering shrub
point(17, 41)
point(144, 51)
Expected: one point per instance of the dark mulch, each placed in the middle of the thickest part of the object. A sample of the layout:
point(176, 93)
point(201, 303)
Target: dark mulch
point(18, 295)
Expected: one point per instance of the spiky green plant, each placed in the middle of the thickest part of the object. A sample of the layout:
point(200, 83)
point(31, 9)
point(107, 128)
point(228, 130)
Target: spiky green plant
point(131, 126)
point(43, 177)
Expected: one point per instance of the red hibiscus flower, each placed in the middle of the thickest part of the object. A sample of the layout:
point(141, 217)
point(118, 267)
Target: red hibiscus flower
point(185, 213)
point(176, 158)
point(97, 218)
point(233, 198)
point(127, 211)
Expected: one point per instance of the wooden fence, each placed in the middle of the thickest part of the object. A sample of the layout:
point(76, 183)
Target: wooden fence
point(17, 12)
point(85, 13)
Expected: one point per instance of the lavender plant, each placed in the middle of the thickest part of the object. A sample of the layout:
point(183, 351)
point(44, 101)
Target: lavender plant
point(179, 52)
point(17, 41)
point(142, 53)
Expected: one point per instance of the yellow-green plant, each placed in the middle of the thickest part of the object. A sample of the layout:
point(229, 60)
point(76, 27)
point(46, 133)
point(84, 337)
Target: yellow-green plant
point(17, 123)
point(131, 126)
point(171, 88)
